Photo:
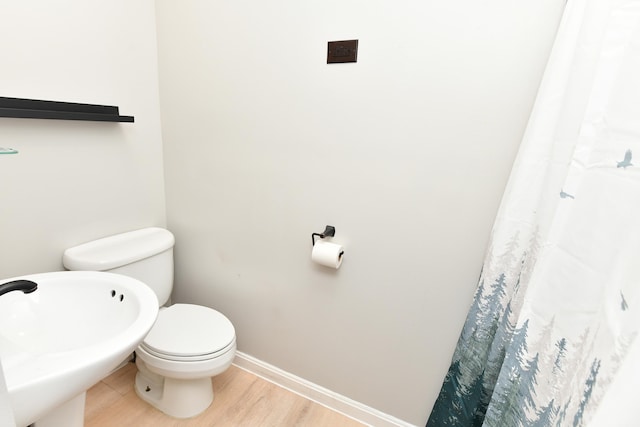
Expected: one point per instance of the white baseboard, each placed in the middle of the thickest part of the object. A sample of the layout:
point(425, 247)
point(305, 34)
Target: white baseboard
point(318, 394)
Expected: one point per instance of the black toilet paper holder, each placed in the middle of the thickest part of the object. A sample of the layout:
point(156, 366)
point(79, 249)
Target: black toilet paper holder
point(329, 231)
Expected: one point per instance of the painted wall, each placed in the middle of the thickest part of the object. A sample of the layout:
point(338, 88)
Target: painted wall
point(76, 181)
point(405, 152)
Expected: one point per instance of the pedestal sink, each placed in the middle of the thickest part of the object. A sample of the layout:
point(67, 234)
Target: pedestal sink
point(64, 337)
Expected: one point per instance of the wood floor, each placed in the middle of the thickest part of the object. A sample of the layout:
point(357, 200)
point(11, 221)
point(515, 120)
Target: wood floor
point(241, 400)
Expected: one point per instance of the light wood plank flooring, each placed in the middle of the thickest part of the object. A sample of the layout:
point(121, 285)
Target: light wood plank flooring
point(241, 399)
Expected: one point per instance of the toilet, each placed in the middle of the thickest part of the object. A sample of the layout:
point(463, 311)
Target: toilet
point(188, 343)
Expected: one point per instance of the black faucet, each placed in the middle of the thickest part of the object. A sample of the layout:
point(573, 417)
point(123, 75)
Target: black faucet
point(26, 286)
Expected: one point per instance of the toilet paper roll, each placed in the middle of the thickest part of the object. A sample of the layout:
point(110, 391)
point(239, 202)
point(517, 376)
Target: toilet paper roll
point(327, 254)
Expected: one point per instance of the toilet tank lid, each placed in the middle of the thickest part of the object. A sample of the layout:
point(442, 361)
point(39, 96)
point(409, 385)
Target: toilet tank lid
point(119, 250)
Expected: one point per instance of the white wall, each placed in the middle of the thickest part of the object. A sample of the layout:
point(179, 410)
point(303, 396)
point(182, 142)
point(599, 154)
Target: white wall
point(75, 181)
point(406, 153)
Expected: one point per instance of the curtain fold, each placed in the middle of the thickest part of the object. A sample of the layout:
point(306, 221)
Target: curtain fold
point(558, 301)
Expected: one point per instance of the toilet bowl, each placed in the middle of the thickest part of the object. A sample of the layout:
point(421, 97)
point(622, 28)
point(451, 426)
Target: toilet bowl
point(188, 344)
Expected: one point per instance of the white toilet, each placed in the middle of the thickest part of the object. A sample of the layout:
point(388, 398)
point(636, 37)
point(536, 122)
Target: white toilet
point(187, 345)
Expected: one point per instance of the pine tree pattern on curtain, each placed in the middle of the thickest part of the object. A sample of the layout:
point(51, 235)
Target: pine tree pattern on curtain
point(530, 373)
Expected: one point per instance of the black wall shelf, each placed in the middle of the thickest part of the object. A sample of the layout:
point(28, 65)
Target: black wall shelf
point(37, 109)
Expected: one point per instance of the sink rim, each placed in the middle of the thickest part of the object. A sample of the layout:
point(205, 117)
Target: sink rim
point(56, 304)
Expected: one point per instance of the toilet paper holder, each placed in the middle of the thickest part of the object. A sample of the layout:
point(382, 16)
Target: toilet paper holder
point(329, 231)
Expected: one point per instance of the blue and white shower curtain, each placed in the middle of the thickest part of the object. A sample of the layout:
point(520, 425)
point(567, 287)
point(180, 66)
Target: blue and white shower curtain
point(557, 308)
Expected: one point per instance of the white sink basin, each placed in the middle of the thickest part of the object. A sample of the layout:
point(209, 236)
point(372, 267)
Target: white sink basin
point(58, 341)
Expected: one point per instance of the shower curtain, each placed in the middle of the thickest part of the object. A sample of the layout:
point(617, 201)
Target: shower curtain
point(557, 306)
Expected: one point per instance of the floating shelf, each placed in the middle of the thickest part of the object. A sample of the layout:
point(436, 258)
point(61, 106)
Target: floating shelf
point(37, 109)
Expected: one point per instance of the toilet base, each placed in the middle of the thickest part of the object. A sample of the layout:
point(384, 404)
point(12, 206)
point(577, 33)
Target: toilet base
point(178, 398)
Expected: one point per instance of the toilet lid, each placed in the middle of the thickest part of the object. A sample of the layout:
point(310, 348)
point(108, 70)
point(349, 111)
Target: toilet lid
point(187, 330)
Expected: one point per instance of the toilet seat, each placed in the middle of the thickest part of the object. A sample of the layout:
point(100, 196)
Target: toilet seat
point(188, 332)
point(202, 357)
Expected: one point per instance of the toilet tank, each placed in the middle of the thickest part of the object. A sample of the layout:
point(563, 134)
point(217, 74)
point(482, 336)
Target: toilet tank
point(146, 255)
